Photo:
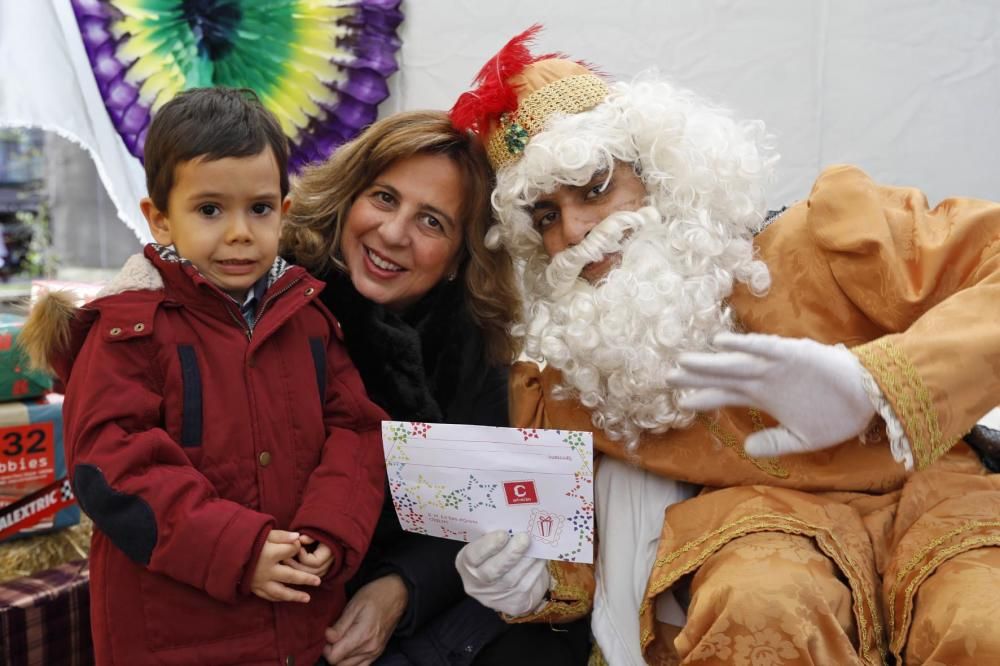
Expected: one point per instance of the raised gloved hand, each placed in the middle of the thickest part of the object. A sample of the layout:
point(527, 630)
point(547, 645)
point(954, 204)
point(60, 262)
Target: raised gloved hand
point(496, 573)
point(815, 391)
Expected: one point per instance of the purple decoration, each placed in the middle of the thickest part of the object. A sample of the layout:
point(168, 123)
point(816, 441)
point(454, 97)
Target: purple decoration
point(371, 41)
point(382, 20)
point(374, 43)
point(365, 85)
point(388, 5)
point(88, 7)
point(140, 138)
point(135, 120)
point(106, 66)
point(354, 113)
point(94, 32)
point(374, 51)
point(120, 95)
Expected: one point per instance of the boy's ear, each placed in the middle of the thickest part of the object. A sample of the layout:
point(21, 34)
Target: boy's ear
point(286, 203)
point(157, 220)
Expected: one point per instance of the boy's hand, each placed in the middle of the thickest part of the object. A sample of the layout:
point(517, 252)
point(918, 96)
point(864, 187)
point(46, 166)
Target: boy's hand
point(271, 578)
point(316, 560)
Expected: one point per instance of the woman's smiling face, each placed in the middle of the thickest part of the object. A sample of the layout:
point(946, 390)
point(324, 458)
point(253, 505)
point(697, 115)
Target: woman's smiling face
point(403, 234)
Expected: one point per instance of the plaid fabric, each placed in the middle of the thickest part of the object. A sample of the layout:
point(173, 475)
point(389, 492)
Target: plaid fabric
point(45, 618)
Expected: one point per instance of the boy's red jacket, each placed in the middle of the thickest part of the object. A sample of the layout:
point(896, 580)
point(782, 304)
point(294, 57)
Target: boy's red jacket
point(188, 438)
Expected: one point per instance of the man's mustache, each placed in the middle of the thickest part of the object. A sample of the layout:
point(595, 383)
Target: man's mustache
point(607, 237)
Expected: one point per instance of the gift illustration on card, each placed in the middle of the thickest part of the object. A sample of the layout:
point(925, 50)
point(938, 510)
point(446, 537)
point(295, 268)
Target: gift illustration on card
point(460, 482)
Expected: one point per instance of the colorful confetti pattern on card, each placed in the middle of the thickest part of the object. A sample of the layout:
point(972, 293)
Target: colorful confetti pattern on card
point(460, 481)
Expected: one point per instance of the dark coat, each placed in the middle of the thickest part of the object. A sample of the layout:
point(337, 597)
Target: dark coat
point(188, 439)
point(427, 365)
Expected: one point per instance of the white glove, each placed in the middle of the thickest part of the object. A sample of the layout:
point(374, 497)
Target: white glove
point(496, 573)
point(815, 391)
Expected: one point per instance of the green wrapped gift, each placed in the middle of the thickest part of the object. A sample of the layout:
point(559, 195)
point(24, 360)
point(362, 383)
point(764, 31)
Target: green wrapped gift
point(17, 381)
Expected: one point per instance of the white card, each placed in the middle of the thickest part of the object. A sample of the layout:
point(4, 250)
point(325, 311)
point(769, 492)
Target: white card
point(462, 481)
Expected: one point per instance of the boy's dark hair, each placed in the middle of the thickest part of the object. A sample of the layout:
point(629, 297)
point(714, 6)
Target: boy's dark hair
point(212, 123)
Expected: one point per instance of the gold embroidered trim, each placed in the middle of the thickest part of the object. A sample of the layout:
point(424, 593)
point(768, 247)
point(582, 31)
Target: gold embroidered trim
point(789, 525)
point(769, 466)
point(568, 601)
point(644, 607)
point(925, 571)
point(568, 95)
point(562, 589)
point(645, 635)
point(911, 399)
point(554, 611)
point(912, 563)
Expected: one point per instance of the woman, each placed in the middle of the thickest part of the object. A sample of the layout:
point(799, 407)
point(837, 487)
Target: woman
point(395, 221)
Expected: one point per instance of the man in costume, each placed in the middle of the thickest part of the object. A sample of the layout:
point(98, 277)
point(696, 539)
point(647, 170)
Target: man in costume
point(791, 388)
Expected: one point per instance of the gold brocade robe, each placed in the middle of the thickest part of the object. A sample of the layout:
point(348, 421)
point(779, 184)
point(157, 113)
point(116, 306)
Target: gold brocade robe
point(915, 294)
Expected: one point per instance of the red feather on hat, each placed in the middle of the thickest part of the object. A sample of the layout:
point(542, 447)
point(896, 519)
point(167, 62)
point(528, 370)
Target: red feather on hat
point(493, 94)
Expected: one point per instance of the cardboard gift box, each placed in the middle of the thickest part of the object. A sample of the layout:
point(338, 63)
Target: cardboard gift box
point(34, 496)
point(17, 381)
point(45, 618)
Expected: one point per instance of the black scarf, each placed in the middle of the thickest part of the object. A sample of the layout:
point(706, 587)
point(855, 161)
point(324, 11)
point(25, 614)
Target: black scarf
point(411, 364)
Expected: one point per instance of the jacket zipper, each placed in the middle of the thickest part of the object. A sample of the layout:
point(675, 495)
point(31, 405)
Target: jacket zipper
point(241, 322)
point(269, 300)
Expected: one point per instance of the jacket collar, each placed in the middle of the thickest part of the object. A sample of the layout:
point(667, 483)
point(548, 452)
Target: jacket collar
point(165, 258)
point(184, 283)
point(57, 327)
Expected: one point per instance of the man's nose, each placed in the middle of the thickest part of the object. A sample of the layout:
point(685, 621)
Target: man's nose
point(576, 225)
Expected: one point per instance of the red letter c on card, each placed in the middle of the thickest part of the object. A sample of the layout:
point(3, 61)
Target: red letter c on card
point(520, 492)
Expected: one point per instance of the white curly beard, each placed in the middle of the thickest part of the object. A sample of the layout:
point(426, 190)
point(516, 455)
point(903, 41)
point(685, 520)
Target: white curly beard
point(615, 340)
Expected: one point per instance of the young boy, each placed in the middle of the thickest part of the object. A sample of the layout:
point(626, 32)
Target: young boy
point(216, 431)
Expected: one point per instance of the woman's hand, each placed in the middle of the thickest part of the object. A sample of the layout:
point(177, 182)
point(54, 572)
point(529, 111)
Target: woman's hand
point(361, 633)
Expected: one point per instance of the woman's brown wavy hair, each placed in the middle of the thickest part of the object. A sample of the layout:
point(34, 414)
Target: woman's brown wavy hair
point(323, 194)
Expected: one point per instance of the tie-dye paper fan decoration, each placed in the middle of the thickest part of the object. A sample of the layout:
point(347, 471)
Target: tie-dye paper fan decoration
point(320, 65)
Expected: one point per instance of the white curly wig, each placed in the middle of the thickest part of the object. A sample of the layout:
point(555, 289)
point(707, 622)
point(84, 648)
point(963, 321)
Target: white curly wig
point(613, 341)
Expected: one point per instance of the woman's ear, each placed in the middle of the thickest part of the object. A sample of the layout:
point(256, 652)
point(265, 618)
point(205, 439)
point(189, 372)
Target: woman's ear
point(157, 220)
point(456, 264)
